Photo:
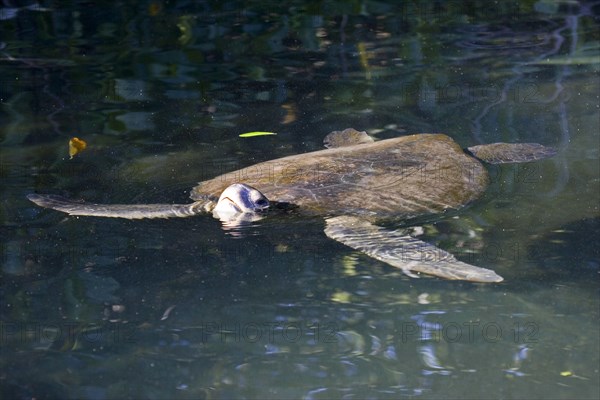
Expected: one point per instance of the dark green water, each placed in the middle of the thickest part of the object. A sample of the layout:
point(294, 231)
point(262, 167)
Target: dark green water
point(102, 309)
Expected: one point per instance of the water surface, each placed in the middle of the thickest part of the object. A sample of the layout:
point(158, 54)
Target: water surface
point(97, 309)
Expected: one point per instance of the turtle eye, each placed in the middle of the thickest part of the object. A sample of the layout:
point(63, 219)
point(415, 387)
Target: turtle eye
point(262, 202)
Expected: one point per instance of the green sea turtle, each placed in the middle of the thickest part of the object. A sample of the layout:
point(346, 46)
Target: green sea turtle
point(354, 184)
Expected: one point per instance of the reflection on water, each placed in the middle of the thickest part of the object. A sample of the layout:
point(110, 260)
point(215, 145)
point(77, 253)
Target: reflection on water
point(99, 309)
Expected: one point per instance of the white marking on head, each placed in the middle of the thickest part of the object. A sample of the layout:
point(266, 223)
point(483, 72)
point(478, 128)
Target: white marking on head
point(240, 203)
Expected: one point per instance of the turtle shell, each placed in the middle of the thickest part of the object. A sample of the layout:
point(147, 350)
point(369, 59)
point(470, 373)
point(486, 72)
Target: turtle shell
point(395, 178)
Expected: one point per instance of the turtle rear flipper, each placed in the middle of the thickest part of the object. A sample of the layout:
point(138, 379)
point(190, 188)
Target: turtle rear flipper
point(128, 211)
point(403, 251)
point(347, 137)
point(505, 153)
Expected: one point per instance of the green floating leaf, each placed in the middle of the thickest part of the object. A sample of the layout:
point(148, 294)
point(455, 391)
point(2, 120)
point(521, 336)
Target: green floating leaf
point(252, 134)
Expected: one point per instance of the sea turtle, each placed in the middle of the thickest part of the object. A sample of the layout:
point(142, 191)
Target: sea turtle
point(354, 184)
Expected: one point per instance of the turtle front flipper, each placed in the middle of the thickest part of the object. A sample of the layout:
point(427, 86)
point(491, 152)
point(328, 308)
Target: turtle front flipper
point(403, 251)
point(507, 153)
point(128, 211)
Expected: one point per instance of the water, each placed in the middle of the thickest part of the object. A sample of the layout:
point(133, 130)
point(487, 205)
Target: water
point(96, 309)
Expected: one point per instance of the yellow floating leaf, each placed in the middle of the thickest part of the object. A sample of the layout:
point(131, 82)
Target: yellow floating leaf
point(290, 113)
point(252, 134)
point(566, 373)
point(341, 297)
point(76, 145)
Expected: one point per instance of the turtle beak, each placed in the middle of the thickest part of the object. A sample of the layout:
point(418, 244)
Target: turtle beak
point(262, 206)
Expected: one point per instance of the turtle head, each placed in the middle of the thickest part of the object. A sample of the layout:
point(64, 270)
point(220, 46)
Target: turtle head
point(240, 203)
